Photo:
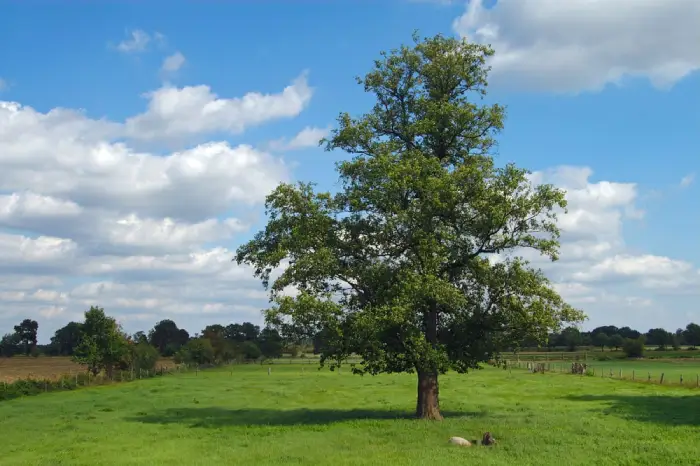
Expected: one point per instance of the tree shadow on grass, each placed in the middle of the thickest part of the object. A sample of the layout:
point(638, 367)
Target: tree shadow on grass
point(214, 417)
point(673, 410)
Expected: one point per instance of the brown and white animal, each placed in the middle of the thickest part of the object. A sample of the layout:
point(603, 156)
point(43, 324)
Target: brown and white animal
point(488, 439)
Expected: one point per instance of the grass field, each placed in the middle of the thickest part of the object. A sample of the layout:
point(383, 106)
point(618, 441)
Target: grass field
point(22, 367)
point(240, 415)
point(644, 370)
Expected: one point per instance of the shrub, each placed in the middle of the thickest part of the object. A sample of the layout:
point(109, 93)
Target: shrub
point(144, 357)
point(196, 351)
point(634, 348)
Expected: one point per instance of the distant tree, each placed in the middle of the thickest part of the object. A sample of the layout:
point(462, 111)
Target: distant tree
point(270, 343)
point(692, 334)
point(675, 342)
point(103, 345)
point(144, 356)
point(140, 337)
point(607, 330)
point(680, 337)
point(66, 339)
point(634, 348)
point(658, 337)
point(627, 332)
point(616, 341)
point(250, 350)
point(571, 338)
point(601, 339)
point(167, 337)
point(586, 339)
point(27, 331)
point(223, 348)
point(196, 351)
point(242, 332)
point(10, 345)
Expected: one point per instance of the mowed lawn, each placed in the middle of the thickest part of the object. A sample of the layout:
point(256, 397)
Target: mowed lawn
point(243, 416)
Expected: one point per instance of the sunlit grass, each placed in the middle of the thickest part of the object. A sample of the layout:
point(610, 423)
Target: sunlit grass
point(246, 417)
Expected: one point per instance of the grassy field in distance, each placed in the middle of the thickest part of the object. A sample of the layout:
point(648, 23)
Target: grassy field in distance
point(46, 367)
point(240, 415)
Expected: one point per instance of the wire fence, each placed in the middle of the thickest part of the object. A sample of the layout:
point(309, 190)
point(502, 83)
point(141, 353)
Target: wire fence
point(31, 385)
point(672, 376)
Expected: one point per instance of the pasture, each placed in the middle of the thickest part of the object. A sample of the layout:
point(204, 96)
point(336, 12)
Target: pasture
point(242, 415)
point(674, 371)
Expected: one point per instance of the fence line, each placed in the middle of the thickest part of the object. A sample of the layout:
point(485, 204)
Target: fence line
point(71, 381)
point(576, 368)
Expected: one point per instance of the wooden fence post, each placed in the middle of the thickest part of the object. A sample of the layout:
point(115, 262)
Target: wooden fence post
point(633, 374)
point(662, 379)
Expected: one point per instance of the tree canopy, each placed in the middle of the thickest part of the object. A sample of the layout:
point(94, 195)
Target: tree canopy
point(413, 265)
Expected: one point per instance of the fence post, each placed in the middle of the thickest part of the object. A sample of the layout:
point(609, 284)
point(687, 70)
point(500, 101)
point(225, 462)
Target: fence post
point(633, 374)
point(269, 370)
point(648, 376)
point(662, 379)
point(681, 379)
point(620, 374)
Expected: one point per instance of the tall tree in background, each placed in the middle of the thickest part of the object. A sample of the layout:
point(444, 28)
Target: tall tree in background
point(103, 345)
point(395, 267)
point(27, 331)
point(691, 335)
point(9, 345)
point(66, 339)
point(242, 332)
point(167, 337)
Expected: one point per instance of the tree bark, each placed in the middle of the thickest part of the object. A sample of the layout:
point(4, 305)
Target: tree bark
point(428, 404)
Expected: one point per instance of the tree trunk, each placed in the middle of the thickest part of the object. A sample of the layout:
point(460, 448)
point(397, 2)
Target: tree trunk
point(428, 404)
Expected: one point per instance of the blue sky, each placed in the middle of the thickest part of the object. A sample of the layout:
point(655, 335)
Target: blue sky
point(580, 94)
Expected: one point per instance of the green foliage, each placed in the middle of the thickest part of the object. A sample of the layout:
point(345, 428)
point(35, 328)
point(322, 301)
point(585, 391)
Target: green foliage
point(10, 345)
point(197, 351)
point(27, 334)
point(395, 267)
point(103, 345)
point(691, 334)
point(600, 339)
point(617, 341)
point(271, 343)
point(571, 338)
point(167, 337)
point(634, 348)
point(250, 351)
point(144, 356)
point(66, 339)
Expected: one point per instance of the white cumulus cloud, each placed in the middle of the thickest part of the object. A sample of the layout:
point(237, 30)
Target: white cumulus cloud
point(577, 45)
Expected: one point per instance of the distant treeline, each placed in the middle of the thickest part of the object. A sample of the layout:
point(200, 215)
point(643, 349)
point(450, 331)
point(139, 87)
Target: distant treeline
point(100, 343)
point(612, 337)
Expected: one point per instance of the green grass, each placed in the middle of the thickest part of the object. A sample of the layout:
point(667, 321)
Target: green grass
point(249, 418)
point(639, 370)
